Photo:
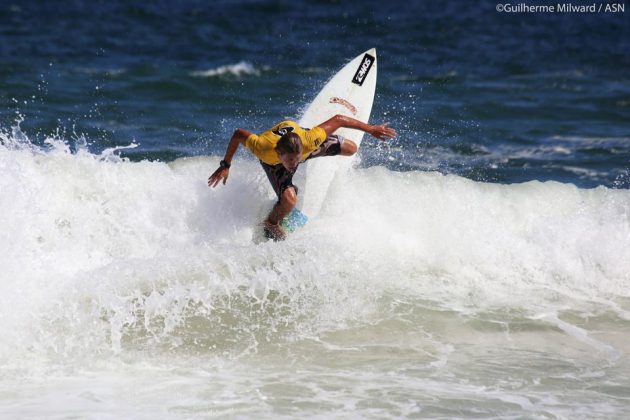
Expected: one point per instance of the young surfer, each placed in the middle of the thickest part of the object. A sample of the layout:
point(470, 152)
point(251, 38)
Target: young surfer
point(283, 147)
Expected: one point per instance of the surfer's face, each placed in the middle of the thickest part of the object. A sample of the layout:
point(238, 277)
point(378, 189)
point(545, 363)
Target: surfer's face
point(290, 161)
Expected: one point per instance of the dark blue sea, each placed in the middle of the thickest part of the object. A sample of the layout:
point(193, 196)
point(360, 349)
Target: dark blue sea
point(498, 97)
point(477, 266)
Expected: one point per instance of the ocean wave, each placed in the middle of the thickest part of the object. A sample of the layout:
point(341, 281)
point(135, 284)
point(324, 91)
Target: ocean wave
point(240, 69)
point(589, 140)
point(105, 255)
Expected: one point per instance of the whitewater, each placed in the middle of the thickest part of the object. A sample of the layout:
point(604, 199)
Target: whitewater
point(131, 289)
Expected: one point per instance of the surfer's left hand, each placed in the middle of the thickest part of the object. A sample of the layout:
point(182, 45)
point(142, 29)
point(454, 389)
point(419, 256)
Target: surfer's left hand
point(220, 174)
point(383, 131)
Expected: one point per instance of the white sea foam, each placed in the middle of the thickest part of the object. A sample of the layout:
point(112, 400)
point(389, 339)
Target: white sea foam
point(73, 218)
point(242, 68)
point(105, 259)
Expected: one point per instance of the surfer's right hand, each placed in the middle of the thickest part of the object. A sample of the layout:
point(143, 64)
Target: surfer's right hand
point(218, 175)
point(383, 131)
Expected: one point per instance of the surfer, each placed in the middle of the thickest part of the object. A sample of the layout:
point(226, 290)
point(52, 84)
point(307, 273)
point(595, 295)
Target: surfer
point(283, 147)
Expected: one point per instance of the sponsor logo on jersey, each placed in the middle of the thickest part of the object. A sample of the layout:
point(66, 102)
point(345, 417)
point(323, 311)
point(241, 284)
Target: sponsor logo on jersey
point(282, 131)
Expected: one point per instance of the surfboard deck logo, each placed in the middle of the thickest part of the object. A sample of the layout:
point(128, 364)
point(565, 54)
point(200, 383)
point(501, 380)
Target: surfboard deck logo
point(363, 70)
point(341, 101)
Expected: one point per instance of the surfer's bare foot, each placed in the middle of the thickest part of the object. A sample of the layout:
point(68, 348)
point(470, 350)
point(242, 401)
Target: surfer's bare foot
point(274, 231)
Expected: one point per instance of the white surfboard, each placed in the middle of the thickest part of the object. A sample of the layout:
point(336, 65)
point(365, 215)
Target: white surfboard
point(350, 92)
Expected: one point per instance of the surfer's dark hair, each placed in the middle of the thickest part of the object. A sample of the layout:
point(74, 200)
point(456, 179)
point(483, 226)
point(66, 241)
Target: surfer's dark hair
point(290, 143)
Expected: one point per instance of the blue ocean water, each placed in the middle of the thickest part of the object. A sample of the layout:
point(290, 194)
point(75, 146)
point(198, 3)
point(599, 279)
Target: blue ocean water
point(475, 267)
point(498, 97)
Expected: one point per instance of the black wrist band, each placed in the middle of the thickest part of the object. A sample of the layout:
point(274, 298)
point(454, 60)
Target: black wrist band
point(224, 164)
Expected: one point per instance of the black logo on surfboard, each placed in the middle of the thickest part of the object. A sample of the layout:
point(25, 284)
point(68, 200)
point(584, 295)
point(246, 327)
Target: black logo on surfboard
point(363, 70)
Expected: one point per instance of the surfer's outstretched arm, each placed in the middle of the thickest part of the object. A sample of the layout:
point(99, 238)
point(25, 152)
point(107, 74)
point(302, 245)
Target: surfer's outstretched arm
point(239, 137)
point(381, 132)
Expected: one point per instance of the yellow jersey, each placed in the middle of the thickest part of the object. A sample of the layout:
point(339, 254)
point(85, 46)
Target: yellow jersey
point(263, 146)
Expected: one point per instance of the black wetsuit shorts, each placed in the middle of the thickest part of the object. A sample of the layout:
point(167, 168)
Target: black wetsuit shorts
point(281, 179)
